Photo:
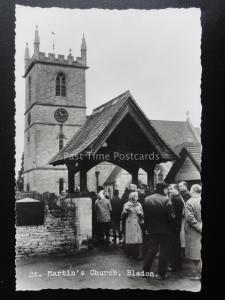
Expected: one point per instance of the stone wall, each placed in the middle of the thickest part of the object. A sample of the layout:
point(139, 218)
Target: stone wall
point(62, 235)
point(56, 236)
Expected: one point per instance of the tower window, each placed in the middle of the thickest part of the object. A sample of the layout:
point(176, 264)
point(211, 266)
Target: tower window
point(29, 89)
point(28, 187)
point(61, 185)
point(60, 89)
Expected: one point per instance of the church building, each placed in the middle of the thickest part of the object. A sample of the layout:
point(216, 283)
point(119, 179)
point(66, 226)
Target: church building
point(56, 124)
point(55, 108)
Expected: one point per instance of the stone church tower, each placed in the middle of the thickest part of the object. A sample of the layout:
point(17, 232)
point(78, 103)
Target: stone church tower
point(55, 109)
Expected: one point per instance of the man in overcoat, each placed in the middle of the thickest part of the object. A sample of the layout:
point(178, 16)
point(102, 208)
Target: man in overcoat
point(158, 214)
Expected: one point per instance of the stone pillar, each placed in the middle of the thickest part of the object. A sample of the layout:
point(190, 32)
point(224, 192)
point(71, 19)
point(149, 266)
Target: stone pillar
point(71, 179)
point(83, 221)
point(97, 179)
point(83, 180)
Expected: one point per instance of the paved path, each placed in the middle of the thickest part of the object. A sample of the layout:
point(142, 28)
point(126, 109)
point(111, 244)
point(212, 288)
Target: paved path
point(39, 273)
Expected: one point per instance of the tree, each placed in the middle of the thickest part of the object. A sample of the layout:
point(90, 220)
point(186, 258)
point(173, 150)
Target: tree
point(20, 178)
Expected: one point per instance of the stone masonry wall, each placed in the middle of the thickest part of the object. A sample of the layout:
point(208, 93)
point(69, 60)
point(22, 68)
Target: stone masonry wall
point(56, 236)
point(59, 235)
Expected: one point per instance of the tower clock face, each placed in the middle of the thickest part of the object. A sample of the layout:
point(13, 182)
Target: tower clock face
point(61, 115)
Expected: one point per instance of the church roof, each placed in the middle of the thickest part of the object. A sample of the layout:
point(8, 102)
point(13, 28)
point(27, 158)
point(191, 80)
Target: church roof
point(113, 175)
point(194, 151)
point(190, 153)
point(175, 133)
point(102, 119)
point(198, 131)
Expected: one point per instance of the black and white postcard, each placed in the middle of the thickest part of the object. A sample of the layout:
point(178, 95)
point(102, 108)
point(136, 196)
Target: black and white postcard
point(108, 148)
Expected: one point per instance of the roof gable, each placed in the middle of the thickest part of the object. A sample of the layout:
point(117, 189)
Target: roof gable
point(187, 171)
point(93, 126)
point(190, 153)
point(101, 123)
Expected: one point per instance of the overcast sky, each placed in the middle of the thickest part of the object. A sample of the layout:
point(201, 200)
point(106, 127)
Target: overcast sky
point(153, 53)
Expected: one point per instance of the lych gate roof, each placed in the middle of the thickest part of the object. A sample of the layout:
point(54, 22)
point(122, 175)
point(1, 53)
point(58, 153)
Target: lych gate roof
point(93, 126)
point(100, 120)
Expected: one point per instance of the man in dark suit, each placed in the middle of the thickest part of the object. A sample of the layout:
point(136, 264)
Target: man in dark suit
point(158, 214)
point(116, 204)
point(178, 208)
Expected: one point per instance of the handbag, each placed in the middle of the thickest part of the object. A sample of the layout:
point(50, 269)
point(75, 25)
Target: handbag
point(141, 220)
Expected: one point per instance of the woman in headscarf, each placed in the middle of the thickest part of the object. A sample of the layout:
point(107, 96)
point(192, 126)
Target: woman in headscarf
point(133, 213)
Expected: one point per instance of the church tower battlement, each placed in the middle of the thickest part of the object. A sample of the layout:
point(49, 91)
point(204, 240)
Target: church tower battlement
point(41, 57)
point(55, 108)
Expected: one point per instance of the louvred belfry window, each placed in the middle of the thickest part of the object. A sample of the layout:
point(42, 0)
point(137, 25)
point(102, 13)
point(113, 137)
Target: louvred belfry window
point(60, 85)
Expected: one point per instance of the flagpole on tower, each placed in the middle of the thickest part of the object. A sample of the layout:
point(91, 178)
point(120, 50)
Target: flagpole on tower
point(53, 42)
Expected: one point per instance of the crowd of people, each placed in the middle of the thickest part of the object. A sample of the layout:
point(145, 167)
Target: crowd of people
point(166, 223)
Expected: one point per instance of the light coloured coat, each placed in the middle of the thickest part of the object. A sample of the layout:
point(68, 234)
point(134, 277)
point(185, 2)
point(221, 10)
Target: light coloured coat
point(103, 208)
point(133, 213)
point(193, 228)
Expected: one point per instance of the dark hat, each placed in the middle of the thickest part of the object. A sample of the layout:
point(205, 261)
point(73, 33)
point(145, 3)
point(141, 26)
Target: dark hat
point(161, 186)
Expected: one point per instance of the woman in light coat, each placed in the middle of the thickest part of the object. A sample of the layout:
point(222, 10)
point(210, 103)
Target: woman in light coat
point(193, 229)
point(133, 212)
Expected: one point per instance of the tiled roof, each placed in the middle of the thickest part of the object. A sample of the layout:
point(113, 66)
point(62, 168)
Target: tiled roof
point(198, 131)
point(195, 151)
point(190, 151)
point(94, 125)
point(174, 132)
point(113, 175)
